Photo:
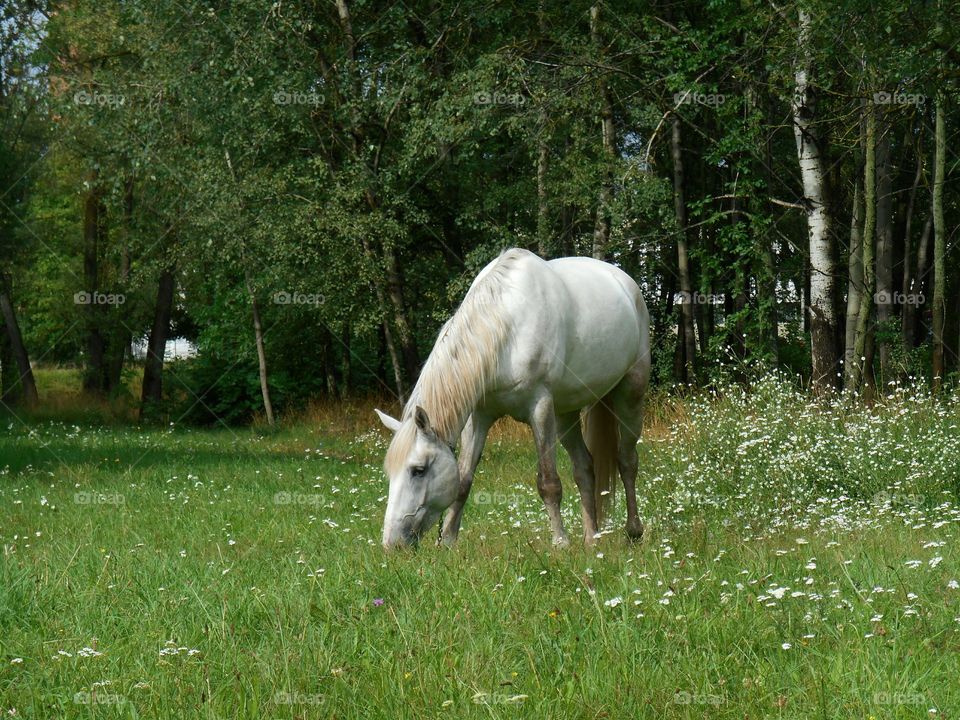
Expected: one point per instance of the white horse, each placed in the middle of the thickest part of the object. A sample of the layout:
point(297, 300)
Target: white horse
point(538, 341)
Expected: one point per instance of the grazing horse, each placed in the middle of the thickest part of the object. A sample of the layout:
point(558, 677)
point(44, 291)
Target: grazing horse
point(538, 341)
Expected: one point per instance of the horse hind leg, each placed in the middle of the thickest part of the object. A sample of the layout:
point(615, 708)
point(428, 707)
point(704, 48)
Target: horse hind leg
point(627, 400)
point(571, 438)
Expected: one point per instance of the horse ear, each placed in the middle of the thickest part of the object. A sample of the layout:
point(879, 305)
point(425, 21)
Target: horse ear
point(422, 420)
point(390, 423)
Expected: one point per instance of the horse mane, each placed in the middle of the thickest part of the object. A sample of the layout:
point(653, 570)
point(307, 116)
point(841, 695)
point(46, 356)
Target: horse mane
point(463, 360)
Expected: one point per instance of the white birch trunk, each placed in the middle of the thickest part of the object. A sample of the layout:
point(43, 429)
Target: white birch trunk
point(823, 316)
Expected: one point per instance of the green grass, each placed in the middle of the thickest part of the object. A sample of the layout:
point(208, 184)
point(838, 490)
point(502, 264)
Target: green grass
point(800, 562)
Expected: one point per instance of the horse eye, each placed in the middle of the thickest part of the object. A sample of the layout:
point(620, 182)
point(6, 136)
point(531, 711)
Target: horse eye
point(417, 471)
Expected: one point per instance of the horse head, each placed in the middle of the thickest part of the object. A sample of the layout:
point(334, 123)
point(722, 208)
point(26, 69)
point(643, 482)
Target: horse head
point(424, 479)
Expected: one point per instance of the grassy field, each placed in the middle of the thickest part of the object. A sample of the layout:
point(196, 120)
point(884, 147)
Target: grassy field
point(799, 562)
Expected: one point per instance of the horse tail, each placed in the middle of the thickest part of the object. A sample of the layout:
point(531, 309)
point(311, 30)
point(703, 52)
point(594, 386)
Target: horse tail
point(602, 437)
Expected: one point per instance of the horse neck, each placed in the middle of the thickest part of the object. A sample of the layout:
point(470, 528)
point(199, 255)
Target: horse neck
point(457, 374)
point(465, 358)
point(447, 418)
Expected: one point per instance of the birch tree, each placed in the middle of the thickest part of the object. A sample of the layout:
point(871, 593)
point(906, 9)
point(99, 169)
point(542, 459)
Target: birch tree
point(822, 310)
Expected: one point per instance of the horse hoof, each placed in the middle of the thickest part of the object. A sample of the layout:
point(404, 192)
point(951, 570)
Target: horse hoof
point(562, 542)
point(591, 539)
point(635, 531)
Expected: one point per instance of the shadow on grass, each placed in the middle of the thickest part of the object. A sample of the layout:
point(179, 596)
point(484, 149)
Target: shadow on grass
point(94, 449)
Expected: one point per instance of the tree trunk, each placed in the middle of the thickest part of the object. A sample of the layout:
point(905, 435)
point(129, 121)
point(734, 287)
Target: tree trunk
point(346, 361)
point(907, 285)
point(740, 286)
point(855, 281)
point(395, 362)
point(152, 387)
point(703, 321)
point(385, 325)
point(382, 356)
point(939, 247)
point(94, 374)
point(668, 288)
point(405, 339)
point(121, 340)
point(686, 333)
point(17, 348)
point(328, 362)
point(568, 222)
point(823, 315)
point(543, 217)
point(568, 216)
point(805, 295)
point(884, 293)
point(601, 231)
point(921, 285)
point(767, 289)
point(862, 366)
point(869, 379)
point(261, 354)
point(10, 387)
point(739, 330)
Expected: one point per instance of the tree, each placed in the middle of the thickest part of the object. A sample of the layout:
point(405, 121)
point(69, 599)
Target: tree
point(380, 156)
point(939, 249)
point(19, 97)
point(810, 154)
point(859, 370)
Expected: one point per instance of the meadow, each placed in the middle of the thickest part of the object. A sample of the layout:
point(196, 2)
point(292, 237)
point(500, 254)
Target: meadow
point(800, 561)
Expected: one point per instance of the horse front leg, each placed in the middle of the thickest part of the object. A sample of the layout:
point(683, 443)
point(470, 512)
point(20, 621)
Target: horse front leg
point(543, 421)
point(472, 439)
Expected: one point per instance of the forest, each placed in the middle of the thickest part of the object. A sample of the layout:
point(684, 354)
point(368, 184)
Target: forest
point(303, 191)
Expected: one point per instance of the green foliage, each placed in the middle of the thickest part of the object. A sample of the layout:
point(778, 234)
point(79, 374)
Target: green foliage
point(259, 148)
